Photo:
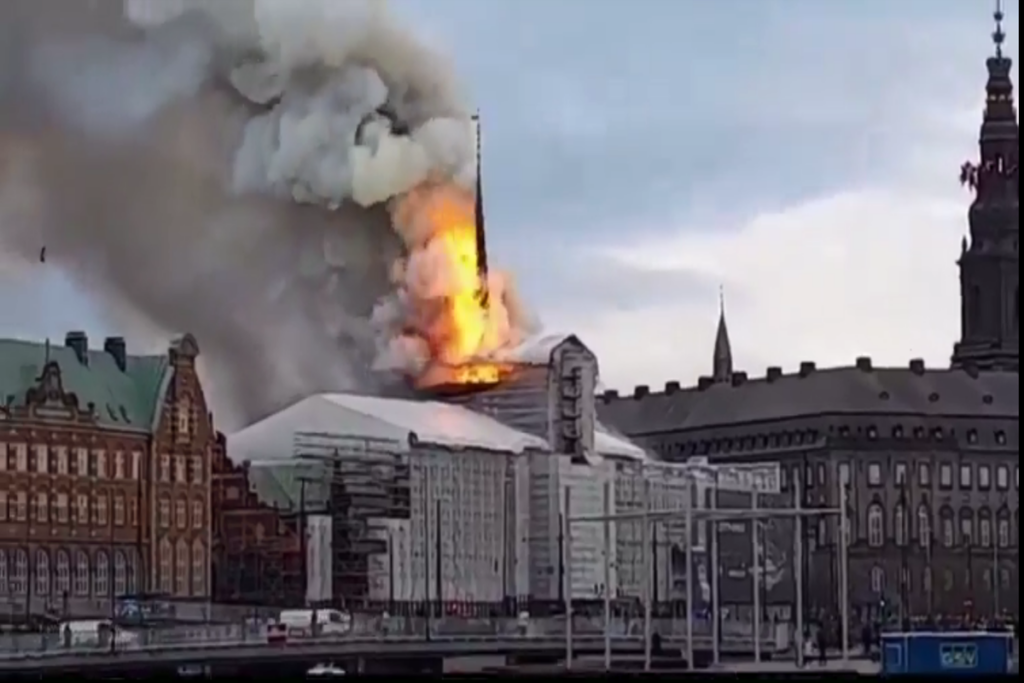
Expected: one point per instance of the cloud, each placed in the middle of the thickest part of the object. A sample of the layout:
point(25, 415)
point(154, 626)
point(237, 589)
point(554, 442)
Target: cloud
point(637, 155)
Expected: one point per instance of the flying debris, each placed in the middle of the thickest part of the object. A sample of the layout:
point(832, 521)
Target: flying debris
point(42, 255)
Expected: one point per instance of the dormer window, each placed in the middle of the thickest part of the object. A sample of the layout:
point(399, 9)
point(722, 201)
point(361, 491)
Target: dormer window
point(972, 436)
point(897, 432)
point(918, 432)
point(1001, 438)
point(872, 433)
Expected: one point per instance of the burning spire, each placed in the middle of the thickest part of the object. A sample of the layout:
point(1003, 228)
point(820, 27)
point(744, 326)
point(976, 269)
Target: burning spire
point(478, 216)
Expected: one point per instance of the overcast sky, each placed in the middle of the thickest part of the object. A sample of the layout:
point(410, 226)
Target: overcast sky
point(639, 154)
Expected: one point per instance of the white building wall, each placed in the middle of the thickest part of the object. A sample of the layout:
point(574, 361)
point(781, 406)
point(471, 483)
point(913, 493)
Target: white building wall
point(472, 499)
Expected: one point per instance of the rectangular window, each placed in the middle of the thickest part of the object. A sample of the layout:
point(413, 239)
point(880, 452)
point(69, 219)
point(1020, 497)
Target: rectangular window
point(62, 460)
point(984, 477)
point(119, 470)
point(136, 465)
point(924, 474)
point(3, 506)
point(1003, 477)
point(180, 471)
point(100, 464)
point(42, 454)
point(821, 474)
point(901, 474)
point(21, 506)
point(874, 474)
point(3, 457)
point(197, 469)
point(197, 514)
point(946, 475)
point(844, 474)
point(20, 457)
point(165, 467)
point(966, 476)
point(82, 462)
point(82, 509)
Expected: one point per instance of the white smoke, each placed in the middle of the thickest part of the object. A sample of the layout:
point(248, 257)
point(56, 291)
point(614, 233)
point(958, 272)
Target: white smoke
point(224, 167)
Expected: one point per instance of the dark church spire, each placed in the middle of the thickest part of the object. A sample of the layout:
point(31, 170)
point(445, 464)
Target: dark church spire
point(481, 234)
point(989, 266)
point(722, 362)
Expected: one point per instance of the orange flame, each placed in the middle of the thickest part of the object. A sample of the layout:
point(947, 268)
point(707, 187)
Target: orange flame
point(461, 338)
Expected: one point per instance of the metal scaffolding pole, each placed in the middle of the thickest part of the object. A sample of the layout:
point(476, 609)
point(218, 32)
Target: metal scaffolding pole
point(755, 576)
point(645, 542)
point(689, 576)
point(567, 576)
point(716, 618)
point(798, 567)
point(607, 524)
point(844, 574)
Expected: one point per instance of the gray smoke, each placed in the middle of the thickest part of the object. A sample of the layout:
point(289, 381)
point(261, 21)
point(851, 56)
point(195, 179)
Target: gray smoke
point(225, 168)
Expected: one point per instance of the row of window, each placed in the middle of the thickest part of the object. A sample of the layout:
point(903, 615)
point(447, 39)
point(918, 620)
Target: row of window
point(182, 568)
point(64, 508)
point(180, 469)
point(878, 579)
point(182, 518)
point(53, 573)
point(788, 439)
point(967, 480)
point(65, 461)
point(949, 537)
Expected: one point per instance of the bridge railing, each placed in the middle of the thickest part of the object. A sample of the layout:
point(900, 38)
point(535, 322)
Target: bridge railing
point(364, 627)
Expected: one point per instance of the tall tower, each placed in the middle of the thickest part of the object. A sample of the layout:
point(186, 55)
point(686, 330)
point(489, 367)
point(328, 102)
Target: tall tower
point(722, 361)
point(989, 262)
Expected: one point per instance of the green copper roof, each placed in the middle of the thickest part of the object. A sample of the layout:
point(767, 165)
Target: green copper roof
point(122, 400)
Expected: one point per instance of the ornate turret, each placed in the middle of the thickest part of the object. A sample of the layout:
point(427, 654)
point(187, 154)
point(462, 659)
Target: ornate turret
point(989, 262)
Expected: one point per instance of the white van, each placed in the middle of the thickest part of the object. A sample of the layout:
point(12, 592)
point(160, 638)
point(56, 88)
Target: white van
point(299, 622)
point(87, 633)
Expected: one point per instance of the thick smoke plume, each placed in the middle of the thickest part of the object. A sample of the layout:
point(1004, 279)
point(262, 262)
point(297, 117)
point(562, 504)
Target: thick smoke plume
point(265, 174)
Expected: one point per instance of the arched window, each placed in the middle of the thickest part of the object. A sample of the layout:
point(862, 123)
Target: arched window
point(19, 580)
point(1003, 528)
point(948, 529)
point(877, 580)
point(62, 582)
point(166, 566)
point(967, 527)
point(876, 526)
point(182, 567)
point(101, 577)
point(899, 523)
point(133, 572)
point(924, 525)
point(81, 573)
point(120, 573)
point(42, 571)
point(198, 568)
point(985, 528)
point(4, 576)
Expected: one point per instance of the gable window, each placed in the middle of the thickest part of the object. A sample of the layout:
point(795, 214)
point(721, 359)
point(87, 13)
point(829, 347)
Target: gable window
point(874, 474)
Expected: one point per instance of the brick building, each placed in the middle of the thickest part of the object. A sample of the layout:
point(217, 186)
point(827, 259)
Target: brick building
point(105, 462)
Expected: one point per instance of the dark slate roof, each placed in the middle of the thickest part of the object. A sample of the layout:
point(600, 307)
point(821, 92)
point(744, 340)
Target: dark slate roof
point(844, 390)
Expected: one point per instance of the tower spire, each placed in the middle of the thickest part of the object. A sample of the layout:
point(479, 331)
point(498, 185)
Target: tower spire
point(478, 213)
point(722, 360)
point(999, 36)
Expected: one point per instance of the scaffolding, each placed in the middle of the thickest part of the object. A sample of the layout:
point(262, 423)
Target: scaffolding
point(708, 475)
point(357, 485)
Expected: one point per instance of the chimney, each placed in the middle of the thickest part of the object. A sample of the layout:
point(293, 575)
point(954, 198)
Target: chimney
point(705, 383)
point(610, 395)
point(774, 373)
point(807, 368)
point(739, 378)
point(917, 366)
point(115, 346)
point(671, 387)
point(78, 342)
point(641, 391)
point(864, 364)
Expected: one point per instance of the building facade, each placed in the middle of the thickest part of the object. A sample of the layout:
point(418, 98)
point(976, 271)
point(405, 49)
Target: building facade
point(930, 455)
point(104, 475)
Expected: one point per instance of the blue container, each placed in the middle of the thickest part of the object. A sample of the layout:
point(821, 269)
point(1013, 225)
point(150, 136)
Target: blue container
point(963, 653)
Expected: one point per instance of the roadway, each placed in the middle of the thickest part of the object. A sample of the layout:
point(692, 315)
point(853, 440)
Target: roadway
point(343, 648)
